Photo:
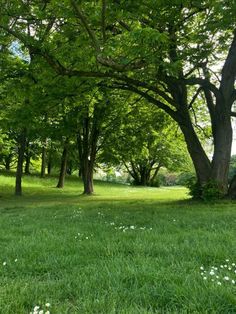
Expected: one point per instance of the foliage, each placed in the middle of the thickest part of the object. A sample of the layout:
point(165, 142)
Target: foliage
point(210, 191)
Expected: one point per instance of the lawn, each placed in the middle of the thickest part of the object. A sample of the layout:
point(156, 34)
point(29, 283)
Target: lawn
point(123, 250)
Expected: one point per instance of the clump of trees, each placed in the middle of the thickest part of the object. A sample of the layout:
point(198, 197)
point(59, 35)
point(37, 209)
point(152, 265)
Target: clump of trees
point(178, 56)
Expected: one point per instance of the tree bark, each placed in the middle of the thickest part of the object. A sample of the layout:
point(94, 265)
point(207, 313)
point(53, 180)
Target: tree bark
point(43, 161)
point(222, 153)
point(87, 177)
point(27, 158)
point(20, 160)
point(61, 180)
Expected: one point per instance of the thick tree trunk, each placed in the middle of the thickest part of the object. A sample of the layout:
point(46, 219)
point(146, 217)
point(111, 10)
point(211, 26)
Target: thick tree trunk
point(145, 176)
point(61, 180)
point(20, 160)
point(200, 160)
point(43, 161)
point(87, 177)
point(222, 153)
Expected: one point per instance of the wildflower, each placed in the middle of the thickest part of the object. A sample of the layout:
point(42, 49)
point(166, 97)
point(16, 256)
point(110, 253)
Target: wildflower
point(229, 268)
point(233, 282)
point(202, 268)
point(227, 260)
point(219, 283)
point(205, 278)
point(41, 312)
point(36, 308)
point(47, 304)
point(212, 273)
point(221, 266)
point(86, 238)
point(226, 278)
point(16, 260)
point(132, 227)
point(233, 264)
point(47, 312)
point(4, 263)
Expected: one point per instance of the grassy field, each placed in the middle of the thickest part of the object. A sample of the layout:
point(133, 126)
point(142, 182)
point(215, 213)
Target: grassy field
point(123, 250)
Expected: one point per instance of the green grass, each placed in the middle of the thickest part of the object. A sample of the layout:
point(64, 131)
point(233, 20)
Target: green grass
point(151, 270)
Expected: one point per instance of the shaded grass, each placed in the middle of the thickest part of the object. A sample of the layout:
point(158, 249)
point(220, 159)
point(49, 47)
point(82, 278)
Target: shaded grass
point(104, 269)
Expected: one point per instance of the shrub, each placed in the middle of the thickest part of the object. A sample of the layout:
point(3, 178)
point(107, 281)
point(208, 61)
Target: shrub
point(207, 192)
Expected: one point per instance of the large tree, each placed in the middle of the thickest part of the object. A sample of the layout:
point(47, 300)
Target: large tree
point(161, 50)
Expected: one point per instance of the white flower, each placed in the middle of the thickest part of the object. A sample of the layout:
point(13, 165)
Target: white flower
point(47, 304)
point(227, 260)
point(4, 263)
point(219, 283)
point(233, 264)
point(225, 266)
point(229, 268)
point(36, 308)
point(47, 312)
point(226, 278)
point(221, 266)
point(41, 312)
point(202, 268)
point(233, 282)
point(16, 260)
point(212, 273)
point(132, 227)
point(205, 278)
point(86, 238)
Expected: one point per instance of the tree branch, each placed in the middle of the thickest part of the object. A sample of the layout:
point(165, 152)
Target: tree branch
point(103, 20)
point(83, 20)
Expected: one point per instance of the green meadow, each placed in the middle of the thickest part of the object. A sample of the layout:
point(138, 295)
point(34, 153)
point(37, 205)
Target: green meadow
point(123, 250)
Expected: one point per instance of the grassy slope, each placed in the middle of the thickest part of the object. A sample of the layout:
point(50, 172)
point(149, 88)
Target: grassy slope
point(107, 270)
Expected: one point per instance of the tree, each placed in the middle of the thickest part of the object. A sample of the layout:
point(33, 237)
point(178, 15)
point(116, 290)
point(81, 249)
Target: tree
point(158, 50)
point(145, 140)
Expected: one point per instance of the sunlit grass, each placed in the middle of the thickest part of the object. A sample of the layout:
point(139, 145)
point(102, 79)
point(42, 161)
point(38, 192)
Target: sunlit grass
point(123, 250)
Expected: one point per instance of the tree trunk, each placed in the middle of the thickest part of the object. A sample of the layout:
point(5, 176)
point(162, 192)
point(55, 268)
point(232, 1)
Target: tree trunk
point(43, 162)
point(87, 177)
point(154, 175)
point(27, 158)
point(20, 160)
point(62, 175)
point(49, 163)
point(49, 166)
point(8, 159)
point(222, 153)
point(199, 158)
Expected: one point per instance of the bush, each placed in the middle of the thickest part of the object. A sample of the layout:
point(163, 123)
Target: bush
point(207, 192)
